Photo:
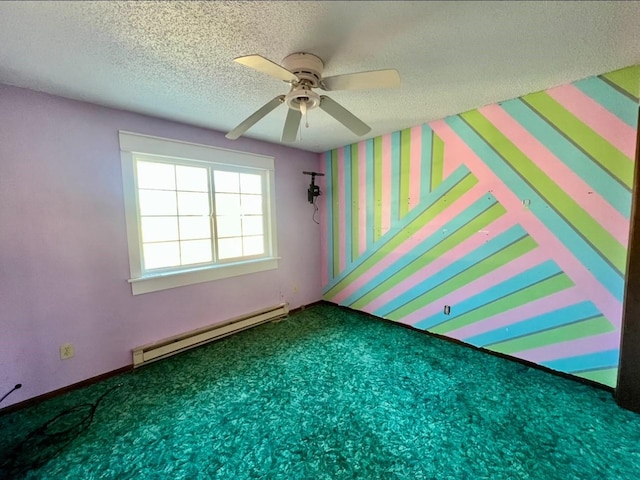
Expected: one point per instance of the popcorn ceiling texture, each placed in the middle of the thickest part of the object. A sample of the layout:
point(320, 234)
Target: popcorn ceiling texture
point(174, 59)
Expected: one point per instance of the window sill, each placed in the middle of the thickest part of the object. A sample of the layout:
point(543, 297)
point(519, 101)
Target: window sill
point(164, 281)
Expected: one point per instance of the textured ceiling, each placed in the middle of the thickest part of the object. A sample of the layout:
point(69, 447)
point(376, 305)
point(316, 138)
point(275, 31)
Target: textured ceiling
point(174, 59)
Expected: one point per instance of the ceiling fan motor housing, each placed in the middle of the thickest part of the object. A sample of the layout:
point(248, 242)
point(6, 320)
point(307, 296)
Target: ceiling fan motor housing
point(307, 67)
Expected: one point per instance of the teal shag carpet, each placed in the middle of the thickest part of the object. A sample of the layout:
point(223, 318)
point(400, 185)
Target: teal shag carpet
point(326, 394)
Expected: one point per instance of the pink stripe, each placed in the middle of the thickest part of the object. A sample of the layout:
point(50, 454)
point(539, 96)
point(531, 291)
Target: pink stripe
point(544, 305)
point(581, 276)
point(581, 346)
point(415, 166)
point(323, 200)
point(601, 120)
point(362, 197)
point(342, 259)
point(492, 279)
point(576, 188)
point(454, 209)
point(451, 162)
point(459, 251)
point(386, 184)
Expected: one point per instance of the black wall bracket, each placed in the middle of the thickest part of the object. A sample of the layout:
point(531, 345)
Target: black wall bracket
point(314, 190)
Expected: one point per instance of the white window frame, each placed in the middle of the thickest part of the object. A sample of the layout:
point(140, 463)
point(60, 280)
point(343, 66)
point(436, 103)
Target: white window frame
point(141, 282)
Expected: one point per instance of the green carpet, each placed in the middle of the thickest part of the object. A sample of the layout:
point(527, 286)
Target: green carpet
point(327, 394)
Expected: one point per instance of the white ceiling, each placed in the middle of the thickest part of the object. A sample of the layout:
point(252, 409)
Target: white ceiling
point(174, 59)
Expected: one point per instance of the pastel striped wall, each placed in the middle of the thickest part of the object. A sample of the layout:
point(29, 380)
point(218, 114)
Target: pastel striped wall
point(516, 215)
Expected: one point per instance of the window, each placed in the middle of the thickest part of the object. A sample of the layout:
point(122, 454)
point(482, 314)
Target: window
point(195, 213)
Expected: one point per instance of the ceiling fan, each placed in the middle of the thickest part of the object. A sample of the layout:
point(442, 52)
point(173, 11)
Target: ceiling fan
point(304, 72)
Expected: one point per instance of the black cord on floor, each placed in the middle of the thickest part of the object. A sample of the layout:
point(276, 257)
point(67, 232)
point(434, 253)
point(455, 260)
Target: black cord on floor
point(49, 439)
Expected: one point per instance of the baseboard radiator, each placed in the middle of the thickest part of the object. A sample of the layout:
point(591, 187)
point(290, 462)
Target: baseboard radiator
point(180, 343)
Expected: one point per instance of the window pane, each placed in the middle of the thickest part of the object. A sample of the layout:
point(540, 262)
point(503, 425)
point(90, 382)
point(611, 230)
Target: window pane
point(159, 229)
point(252, 225)
point(195, 227)
point(157, 202)
point(228, 226)
point(229, 248)
point(159, 255)
point(253, 245)
point(195, 251)
point(250, 183)
point(190, 203)
point(226, 181)
point(194, 179)
point(228, 204)
point(251, 204)
point(156, 175)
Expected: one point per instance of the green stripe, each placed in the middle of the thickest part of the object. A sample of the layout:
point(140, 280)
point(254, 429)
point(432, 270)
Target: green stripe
point(355, 202)
point(474, 272)
point(627, 79)
point(405, 170)
point(437, 162)
point(471, 228)
point(606, 376)
point(580, 220)
point(377, 188)
point(565, 333)
point(458, 190)
point(528, 294)
point(336, 216)
point(601, 151)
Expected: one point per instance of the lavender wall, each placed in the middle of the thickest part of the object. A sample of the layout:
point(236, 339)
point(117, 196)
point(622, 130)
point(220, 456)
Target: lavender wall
point(63, 244)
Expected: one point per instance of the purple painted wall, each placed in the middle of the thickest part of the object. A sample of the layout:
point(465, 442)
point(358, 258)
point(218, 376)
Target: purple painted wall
point(63, 244)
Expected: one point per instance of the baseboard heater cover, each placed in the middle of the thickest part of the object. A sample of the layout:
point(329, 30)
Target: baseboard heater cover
point(179, 343)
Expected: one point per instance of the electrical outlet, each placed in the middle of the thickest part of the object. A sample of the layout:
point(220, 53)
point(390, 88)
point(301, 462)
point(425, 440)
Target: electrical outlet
point(66, 351)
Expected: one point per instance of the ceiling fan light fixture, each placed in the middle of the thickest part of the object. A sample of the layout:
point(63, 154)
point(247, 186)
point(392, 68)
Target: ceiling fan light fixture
point(299, 96)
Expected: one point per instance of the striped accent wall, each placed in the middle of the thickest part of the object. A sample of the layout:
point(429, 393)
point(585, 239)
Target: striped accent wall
point(516, 215)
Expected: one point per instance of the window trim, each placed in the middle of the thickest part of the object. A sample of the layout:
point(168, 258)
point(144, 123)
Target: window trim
point(134, 143)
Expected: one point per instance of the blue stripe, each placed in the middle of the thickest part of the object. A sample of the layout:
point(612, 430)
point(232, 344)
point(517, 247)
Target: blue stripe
point(581, 363)
point(348, 204)
point(522, 280)
point(488, 249)
point(589, 171)
point(328, 194)
point(447, 230)
point(395, 178)
point(547, 321)
point(370, 191)
point(616, 102)
point(606, 274)
point(460, 174)
point(425, 158)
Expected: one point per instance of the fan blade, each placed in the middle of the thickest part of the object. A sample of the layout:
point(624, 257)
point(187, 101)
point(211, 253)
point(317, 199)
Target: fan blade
point(362, 80)
point(291, 124)
point(344, 116)
point(264, 65)
point(251, 120)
